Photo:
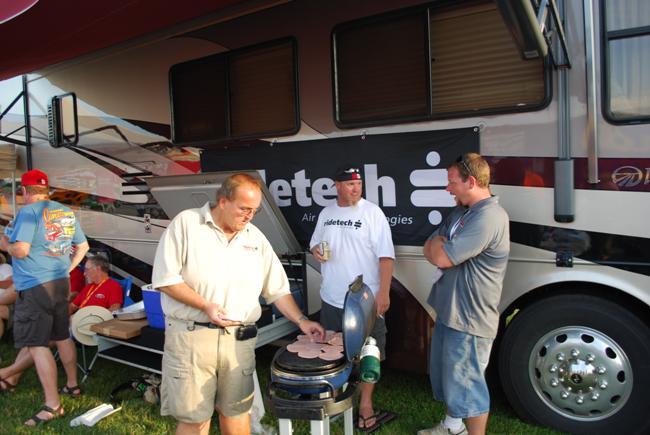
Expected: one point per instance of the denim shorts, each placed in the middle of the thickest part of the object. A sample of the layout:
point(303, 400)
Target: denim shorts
point(457, 371)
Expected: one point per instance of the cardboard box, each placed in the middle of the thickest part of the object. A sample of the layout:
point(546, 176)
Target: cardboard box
point(120, 328)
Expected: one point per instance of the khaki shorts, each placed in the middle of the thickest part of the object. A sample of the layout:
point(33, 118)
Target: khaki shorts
point(205, 369)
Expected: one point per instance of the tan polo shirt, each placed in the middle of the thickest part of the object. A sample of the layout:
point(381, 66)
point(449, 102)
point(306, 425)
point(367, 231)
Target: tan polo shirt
point(194, 250)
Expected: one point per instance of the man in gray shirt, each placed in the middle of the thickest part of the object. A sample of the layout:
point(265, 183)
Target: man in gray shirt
point(471, 249)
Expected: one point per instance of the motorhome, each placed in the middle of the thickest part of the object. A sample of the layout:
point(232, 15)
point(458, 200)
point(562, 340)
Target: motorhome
point(554, 98)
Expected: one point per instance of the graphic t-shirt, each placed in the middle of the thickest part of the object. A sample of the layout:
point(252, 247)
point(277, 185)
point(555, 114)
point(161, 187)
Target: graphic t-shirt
point(51, 229)
point(358, 236)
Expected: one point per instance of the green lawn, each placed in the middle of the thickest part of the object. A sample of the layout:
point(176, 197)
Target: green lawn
point(406, 394)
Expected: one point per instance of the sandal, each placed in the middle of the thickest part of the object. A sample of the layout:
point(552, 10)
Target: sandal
point(6, 386)
point(71, 391)
point(375, 421)
point(38, 421)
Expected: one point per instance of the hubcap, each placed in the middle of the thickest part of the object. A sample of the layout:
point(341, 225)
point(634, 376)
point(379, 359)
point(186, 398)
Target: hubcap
point(580, 373)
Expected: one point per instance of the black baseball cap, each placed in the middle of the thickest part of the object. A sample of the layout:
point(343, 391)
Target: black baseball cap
point(347, 173)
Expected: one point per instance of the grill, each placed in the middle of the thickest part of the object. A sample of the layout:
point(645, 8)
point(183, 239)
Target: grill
point(314, 389)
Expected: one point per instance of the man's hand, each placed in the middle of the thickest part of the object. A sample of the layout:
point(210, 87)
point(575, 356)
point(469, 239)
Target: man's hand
point(383, 302)
point(312, 329)
point(216, 314)
point(317, 254)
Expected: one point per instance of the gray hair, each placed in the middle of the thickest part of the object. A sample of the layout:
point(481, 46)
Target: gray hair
point(100, 261)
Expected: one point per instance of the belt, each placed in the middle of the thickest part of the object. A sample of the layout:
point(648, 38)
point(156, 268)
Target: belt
point(209, 325)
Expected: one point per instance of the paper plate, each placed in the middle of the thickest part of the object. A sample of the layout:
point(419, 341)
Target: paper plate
point(83, 319)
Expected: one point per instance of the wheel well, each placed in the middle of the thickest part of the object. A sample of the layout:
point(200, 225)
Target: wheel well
point(612, 294)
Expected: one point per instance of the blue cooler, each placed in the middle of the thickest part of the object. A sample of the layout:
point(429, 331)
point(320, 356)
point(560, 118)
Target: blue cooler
point(152, 307)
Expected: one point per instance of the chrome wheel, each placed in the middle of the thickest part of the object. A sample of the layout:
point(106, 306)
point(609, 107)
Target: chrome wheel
point(580, 373)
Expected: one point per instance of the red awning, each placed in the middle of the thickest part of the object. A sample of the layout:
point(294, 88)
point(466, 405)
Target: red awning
point(33, 36)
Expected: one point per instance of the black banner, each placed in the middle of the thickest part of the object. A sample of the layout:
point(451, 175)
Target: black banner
point(404, 173)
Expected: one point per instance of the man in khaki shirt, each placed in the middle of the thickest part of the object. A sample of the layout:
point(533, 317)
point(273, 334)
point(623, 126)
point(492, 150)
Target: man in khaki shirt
point(212, 264)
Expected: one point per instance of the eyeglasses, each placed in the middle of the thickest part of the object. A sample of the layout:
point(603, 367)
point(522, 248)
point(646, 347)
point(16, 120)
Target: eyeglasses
point(247, 211)
point(462, 161)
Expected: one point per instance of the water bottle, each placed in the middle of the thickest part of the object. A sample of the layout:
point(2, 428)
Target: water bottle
point(370, 367)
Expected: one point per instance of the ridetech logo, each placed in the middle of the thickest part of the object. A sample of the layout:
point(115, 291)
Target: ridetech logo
point(630, 176)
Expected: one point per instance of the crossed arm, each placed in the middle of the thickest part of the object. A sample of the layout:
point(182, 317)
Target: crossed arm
point(434, 252)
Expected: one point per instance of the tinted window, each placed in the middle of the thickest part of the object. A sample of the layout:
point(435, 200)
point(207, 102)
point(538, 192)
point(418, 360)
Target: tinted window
point(442, 62)
point(243, 93)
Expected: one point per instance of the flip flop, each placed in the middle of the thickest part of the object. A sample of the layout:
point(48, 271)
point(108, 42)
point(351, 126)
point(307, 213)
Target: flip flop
point(6, 386)
point(38, 421)
point(380, 417)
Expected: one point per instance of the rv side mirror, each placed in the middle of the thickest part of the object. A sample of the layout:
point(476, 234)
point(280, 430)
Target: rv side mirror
point(63, 127)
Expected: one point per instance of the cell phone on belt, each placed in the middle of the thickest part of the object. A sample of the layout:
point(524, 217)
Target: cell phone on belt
point(246, 332)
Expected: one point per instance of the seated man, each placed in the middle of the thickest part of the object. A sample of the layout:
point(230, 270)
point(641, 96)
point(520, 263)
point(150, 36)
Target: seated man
point(101, 291)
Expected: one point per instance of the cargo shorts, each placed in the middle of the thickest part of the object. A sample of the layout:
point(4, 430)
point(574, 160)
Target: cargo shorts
point(204, 369)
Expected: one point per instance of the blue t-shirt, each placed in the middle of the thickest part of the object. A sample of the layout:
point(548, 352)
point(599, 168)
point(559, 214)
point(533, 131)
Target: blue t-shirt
point(51, 229)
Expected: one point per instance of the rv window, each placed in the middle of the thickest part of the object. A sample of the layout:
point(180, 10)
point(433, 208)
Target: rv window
point(627, 60)
point(263, 91)
point(198, 90)
point(443, 62)
point(381, 70)
point(481, 69)
point(242, 93)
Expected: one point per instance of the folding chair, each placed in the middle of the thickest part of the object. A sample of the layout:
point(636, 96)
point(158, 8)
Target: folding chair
point(84, 367)
point(126, 286)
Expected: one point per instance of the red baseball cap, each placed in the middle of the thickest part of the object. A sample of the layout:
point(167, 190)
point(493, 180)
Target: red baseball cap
point(34, 178)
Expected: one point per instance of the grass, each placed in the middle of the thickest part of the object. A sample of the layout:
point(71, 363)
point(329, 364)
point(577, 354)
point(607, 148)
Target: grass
point(406, 394)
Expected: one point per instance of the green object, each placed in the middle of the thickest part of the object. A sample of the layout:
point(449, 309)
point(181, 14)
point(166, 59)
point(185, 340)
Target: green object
point(370, 368)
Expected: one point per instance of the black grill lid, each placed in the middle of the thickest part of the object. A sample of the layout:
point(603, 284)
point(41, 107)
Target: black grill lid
point(291, 362)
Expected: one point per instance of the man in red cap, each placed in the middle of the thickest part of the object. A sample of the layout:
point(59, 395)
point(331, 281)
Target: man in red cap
point(40, 243)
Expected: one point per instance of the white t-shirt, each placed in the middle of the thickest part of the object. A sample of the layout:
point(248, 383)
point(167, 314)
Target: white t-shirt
point(358, 236)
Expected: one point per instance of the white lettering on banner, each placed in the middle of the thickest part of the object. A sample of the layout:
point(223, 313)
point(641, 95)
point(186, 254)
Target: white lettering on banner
point(300, 183)
point(321, 189)
point(281, 191)
point(378, 189)
point(386, 183)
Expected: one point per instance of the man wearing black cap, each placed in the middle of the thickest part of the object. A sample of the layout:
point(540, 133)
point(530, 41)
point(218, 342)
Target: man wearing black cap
point(40, 243)
point(359, 243)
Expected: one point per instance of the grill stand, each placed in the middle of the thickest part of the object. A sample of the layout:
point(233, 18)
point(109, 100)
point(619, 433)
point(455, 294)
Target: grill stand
point(317, 411)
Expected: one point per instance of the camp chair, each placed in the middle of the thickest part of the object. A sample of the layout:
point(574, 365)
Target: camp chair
point(85, 368)
point(83, 365)
point(126, 286)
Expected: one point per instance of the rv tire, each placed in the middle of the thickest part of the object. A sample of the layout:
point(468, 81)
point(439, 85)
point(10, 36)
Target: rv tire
point(579, 364)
